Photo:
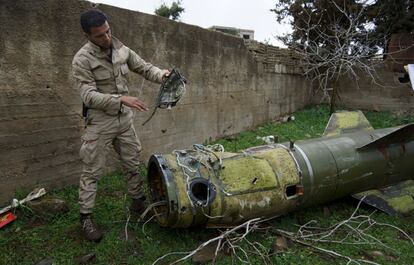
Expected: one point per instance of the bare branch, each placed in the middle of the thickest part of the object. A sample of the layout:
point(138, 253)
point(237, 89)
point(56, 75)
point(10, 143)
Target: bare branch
point(351, 231)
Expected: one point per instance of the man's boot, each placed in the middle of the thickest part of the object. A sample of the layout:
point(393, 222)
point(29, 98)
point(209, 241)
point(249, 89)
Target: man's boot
point(89, 229)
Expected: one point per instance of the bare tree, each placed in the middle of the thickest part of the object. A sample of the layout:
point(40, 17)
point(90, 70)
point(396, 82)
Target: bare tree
point(334, 50)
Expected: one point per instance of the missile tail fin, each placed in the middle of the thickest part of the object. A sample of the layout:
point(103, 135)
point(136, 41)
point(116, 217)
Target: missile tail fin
point(393, 200)
point(346, 122)
point(401, 135)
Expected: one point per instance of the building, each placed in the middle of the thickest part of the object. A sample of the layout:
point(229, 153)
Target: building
point(400, 51)
point(247, 34)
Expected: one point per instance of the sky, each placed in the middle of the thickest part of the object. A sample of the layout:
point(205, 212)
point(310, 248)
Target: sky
point(245, 14)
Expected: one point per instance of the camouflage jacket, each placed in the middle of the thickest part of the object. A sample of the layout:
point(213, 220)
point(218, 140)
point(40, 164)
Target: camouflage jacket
point(102, 82)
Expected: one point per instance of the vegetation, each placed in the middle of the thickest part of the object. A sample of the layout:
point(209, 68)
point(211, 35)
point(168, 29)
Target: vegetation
point(377, 18)
point(32, 238)
point(336, 38)
point(173, 12)
point(391, 16)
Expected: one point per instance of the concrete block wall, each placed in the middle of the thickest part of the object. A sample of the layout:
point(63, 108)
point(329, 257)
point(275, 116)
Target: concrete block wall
point(383, 93)
point(40, 124)
point(275, 59)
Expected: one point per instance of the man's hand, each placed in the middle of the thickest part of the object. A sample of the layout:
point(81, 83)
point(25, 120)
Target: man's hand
point(166, 73)
point(134, 103)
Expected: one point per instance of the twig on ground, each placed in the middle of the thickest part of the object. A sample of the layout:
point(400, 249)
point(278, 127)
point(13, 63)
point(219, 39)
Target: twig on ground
point(126, 224)
point(224, 235)
point(355, 230)
point(146, 222)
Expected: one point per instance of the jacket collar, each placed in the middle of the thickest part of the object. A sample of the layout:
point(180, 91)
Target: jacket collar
point(97, 51)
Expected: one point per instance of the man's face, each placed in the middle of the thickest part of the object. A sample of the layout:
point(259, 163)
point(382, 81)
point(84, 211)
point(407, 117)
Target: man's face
point(101, 36)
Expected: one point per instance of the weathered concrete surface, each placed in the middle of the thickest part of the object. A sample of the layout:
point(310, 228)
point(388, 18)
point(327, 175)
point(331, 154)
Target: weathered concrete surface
point(40, 123)
point(382, 93)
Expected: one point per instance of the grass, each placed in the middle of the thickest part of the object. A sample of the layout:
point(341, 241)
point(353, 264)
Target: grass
point(308, 123)
point(32, 238)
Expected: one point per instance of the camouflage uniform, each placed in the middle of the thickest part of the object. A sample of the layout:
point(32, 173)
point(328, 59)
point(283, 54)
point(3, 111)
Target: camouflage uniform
point(101, 81)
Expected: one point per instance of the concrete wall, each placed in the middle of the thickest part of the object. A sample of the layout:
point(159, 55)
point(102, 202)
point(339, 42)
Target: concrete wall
point(40, 123)
point(275, 59)
point(382, 93)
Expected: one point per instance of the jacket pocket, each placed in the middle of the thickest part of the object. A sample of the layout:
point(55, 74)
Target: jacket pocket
point(101, 73)
point(122, 79)
point(124, 69)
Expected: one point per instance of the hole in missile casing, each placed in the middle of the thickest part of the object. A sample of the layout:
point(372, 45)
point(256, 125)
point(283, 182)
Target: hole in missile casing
point(290, 191)
point(202, 192)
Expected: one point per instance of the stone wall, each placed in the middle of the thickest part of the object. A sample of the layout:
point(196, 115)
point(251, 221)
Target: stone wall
point(384, 92)
point(40, 124)
point(275, 59)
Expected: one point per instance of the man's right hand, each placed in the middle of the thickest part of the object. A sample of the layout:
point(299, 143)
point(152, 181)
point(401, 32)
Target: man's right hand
point(134, 103)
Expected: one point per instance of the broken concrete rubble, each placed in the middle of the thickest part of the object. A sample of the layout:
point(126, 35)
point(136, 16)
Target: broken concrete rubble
point(48, 206)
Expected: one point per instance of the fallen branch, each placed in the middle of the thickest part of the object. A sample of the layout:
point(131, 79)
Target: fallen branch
point(356, 229)
point(219, 238)
point(332, 253)
point(37, 193)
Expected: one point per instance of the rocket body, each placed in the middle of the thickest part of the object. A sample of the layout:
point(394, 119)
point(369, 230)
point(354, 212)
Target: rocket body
point(208, 188)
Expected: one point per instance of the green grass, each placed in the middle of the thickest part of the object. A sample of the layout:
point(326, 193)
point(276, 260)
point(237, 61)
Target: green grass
point(308, 123)
point(32, 238)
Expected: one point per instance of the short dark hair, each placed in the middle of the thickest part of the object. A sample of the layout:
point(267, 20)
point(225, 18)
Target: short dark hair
point(92, 18)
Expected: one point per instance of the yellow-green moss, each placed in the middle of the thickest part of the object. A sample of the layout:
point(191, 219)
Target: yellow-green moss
point(186, 217)
point(283, 164)
point(247, 174)
point(402, 204)
point(344, 120)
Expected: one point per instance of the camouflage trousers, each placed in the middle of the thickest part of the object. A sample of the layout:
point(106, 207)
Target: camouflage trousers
point(92, 154)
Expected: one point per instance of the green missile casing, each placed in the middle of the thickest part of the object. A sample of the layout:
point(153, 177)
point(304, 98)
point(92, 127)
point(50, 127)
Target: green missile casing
point(203, 187)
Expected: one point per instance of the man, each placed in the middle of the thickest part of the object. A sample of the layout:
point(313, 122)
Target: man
point(100, 70)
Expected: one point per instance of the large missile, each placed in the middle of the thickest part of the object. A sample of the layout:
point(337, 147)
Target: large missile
point(206, 187)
